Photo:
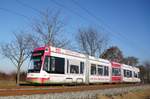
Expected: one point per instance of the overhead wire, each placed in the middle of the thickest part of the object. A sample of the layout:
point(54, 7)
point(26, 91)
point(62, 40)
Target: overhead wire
point(33, 8)
point(110, 29)
point(28, 6)
point(79, 15)
point(90, 14)
point(70, 10)
point(15, 13)
point(58, 4)
point(97, 19)
point(84, 18)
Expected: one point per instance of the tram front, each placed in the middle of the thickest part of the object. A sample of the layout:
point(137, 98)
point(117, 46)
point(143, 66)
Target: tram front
point(35, 73)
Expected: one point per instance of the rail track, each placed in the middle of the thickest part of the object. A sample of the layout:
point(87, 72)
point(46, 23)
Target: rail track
point(29, 90)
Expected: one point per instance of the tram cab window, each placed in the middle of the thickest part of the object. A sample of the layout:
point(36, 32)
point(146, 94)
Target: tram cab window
point(93, 69)
point(116, 72)
point(74, 69)
point(36, 62)
point(54, 65)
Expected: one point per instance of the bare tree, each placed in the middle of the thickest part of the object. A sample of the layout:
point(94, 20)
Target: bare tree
point(18, 50)
point(49, 28)
point(91, 41)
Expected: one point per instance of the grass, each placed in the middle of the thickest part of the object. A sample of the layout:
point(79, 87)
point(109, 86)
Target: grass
point(9, 83)
point(4, 83)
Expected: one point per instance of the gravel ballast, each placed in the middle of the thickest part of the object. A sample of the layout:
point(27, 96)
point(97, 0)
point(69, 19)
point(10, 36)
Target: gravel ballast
point(80, 95)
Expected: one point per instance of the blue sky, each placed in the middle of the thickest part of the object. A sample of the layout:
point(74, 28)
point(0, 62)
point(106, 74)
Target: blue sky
point(128, 22)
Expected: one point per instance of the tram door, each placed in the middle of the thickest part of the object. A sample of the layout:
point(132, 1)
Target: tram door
point(75, 71)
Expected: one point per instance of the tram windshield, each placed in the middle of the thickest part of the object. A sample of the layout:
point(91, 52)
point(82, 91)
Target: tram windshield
point(36, 61)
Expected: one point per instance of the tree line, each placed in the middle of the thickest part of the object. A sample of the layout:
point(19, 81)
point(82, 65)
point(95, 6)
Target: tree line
point(48, 28)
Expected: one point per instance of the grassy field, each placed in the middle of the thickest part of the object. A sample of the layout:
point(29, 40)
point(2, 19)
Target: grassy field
point(9, 83)
point(138, 94)
point(4, 83)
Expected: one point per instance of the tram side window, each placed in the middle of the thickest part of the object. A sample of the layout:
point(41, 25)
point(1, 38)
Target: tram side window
point(106, 71)
point(138, 74)
point(81, 67)
point(130, 73)
point(54, 65)
point(135, 75)
point(100, 70)
point(46, 66)
point(93, 69)
point(127, 73)
point(74, 69)
point(116, 72)
point(57, 65)
point(67, 66)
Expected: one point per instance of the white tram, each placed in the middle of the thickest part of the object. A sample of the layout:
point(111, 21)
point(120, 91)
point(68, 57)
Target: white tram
point(50, 65)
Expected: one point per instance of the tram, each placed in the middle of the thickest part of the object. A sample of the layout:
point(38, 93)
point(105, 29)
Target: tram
point(51, 65)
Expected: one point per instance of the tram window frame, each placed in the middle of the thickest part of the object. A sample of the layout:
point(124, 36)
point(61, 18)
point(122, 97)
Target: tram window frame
point(93, 69)
point(127, 73)
point(130, 73)
point(124, 72)
point(74, 70)
point(57, 66)
point(67, 66)
point(100, 67)
point(114, 71)
point(139, 74)
point(106, 71)
point(47, 64)
point(81, 67)
point(135, 75)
